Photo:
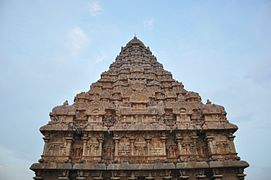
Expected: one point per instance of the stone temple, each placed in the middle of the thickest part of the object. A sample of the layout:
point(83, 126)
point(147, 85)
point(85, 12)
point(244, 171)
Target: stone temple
point(137, 122)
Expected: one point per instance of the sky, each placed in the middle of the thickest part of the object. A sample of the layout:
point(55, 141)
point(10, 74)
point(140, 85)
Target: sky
point(50, 50)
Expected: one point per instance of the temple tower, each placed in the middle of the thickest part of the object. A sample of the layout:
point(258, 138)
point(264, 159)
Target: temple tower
point(137, 122)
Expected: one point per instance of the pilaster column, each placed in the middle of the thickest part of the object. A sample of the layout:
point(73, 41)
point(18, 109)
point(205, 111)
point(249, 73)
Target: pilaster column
point(132, 141)
point(116, 141)
point(148, 139)
point(46, 141)
point(194, 145)
point(85, 140)
point(163, 139)
point(201, 174)
point(64, 175)
point(80, 176)
point(183, 174)
point(231, 138)
point(149, 176)
point(210, 145)
point(69, 140)
point(217, 174)
point(100, 139)
point(179, 143)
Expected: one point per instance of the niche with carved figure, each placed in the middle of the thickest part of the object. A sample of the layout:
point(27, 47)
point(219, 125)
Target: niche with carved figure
point(92, 147)
point(171, 147)
point(169, 117)
point(183, 114)
point(124, 147)
point(202, 147)
point(156, 146)
point(54, 145)
point(77, 149)
point(56, 149)
point(80, 115)
point(222, 145)
point(140, 146)
point(108, 148)
point(196, 115)
point(109, 118)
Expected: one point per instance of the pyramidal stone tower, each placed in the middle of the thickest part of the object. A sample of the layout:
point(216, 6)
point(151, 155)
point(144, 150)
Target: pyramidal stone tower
point(137, 122)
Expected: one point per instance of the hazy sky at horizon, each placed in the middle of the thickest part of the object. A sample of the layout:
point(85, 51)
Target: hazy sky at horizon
point(52, 50)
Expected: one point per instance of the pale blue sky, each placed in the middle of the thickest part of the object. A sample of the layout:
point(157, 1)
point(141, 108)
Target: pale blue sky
point(52, 49)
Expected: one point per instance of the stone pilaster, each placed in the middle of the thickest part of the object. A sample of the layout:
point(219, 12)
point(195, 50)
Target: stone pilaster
point(132, 141)
point(85, 140)
point(210, 145)
point(80, 176)
point(64, 175)
point(163, 139)
point(116, 139)
point(100, 139)
point(183, 175)
point(231, 143)
point(148, 139)
point(69, 140)
point(201, 174)
point(179, 143)
point(194, 146)
point(217, 175)
point(46, 141)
